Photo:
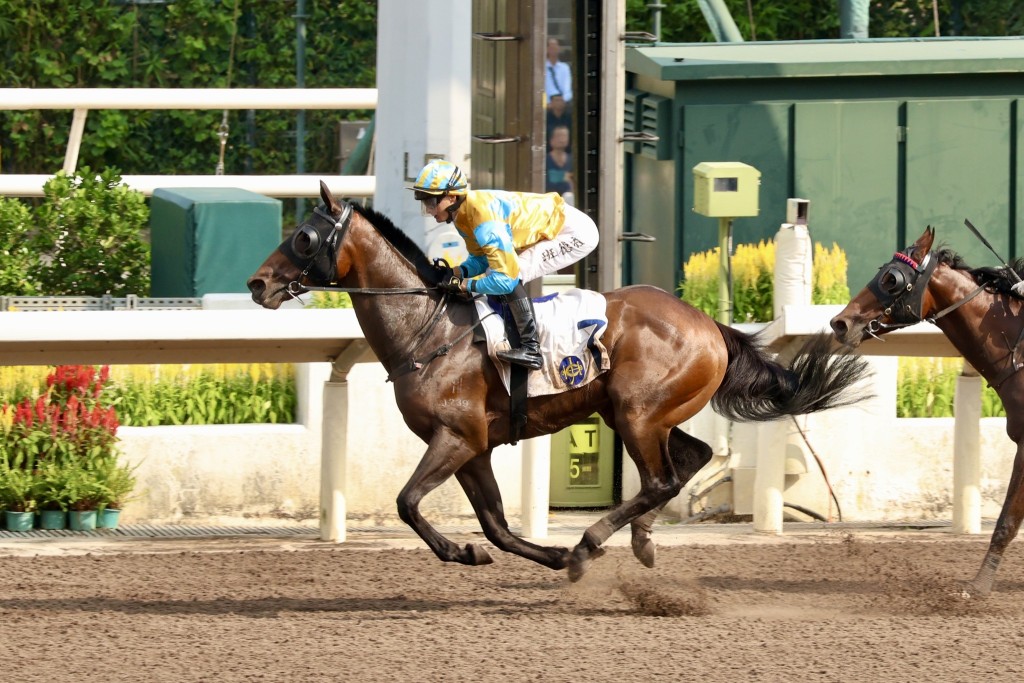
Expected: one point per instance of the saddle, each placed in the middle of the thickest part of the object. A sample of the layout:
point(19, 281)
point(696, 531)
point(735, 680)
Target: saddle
point(569, 326)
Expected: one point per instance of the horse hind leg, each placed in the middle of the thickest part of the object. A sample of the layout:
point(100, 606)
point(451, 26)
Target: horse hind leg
point(478, 482)
point(1007, 525)
point(688, 455)
point(659, 483)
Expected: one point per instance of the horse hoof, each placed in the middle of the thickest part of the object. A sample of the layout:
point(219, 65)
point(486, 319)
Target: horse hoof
point(476, 556)
point(580, 560)
point(971, 591)
point(645, 552)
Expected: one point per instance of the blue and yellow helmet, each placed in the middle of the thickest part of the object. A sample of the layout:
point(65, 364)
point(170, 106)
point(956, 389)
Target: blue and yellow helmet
point(440, 177)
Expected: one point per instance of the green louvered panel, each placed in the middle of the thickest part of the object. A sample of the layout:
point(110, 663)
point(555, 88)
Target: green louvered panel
point(631, 118)
point(656, 120)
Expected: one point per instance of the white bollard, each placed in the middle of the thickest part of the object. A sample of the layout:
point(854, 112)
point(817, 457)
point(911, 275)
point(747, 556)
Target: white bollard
point(332, 462)
point(967, 453)
point(536, 486)
point(769, 478)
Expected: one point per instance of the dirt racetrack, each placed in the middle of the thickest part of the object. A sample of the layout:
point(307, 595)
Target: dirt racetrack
point(841, 607)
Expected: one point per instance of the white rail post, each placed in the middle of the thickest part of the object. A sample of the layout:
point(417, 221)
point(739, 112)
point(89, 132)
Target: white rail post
point(536, 486)
point(967, 453)
point(334, 449)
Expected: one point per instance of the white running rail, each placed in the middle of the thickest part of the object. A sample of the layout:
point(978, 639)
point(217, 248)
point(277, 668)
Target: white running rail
point(81, 100)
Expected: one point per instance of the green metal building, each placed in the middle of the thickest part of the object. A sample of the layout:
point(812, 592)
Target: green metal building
point(884, 137)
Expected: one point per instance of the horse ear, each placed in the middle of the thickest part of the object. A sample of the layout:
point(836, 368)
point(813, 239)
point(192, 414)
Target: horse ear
point(329, 201)
point(924, 243)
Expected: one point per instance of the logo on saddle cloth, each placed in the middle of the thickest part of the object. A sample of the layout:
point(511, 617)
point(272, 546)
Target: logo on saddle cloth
point(572, 371)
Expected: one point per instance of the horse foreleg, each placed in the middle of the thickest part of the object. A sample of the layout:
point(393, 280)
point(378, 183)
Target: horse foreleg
point(477, 480)
point(1006, 529)
point(445, 455)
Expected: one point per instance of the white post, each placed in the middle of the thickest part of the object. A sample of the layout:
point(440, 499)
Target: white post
point(967, 453)
point(769, 477)
point(536, 486)
point(333, 462)
point(334, 449)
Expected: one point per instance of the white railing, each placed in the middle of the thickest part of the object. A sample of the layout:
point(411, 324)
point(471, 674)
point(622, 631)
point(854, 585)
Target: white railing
point(81, 100)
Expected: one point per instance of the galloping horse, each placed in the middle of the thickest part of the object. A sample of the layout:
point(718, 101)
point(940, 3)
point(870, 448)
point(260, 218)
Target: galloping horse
point(976, 311)
point(668, 360)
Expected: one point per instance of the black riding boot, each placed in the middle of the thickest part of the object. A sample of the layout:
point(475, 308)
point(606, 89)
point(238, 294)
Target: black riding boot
point(528, 351)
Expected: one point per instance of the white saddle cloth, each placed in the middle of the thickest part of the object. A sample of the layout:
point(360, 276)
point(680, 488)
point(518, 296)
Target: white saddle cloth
point(570, 325)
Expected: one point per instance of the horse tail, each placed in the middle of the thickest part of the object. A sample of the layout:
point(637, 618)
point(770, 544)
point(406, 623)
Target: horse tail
point(757, 388)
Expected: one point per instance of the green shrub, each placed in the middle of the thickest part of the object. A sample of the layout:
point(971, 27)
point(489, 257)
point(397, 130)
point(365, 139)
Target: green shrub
point(16, 253)
point(89, 237)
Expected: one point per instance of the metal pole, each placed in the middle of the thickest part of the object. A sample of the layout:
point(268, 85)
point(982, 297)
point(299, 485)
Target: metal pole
point(724, 271)
point(300, 82)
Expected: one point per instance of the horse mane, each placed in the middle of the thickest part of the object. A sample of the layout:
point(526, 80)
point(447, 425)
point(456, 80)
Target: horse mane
point(400, 241)
point(993, 277)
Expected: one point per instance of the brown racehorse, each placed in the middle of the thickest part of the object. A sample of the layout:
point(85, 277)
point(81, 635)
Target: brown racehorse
point(668, 360)
point(976, 311)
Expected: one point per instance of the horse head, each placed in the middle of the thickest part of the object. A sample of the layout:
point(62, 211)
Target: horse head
point(897, 297)
point(311, 256)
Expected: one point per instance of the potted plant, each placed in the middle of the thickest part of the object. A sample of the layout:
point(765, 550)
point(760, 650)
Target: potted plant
point(86, 491)
point(119, 484)
point(52, 495)
point(17, 490)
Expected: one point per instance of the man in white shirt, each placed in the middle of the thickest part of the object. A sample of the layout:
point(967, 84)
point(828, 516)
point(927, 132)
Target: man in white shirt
point(557, 77)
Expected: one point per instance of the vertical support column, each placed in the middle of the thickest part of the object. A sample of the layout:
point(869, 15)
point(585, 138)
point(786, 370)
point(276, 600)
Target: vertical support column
point(967, 452)
point(333, 453)
point(536, 486)
point(334, 448)
point(769, 478)
point(724, 271)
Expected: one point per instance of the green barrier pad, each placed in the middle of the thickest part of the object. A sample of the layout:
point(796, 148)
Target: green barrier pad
point(209, 240)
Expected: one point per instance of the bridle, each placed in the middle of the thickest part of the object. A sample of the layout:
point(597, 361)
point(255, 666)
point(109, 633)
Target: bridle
point(899, 287)
point(313, 248)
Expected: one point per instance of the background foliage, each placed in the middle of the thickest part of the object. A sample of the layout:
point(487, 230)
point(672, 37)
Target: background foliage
point(179, 44)
point(683, 22)
point(753, 274)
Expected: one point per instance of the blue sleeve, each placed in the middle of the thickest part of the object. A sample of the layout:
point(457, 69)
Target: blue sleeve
point(474, 265)
point(494, 283)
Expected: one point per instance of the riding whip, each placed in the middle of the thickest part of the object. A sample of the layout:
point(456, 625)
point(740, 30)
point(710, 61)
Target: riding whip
point(970, 226)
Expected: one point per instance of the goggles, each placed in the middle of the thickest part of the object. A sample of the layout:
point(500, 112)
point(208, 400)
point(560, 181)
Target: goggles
point(428, 205)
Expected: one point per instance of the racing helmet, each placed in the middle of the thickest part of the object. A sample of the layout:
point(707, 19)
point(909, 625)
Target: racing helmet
point(439, 178)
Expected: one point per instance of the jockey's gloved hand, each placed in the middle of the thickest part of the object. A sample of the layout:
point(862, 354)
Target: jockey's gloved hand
point(1018, 289)
point(444, 271)
point(453, 283)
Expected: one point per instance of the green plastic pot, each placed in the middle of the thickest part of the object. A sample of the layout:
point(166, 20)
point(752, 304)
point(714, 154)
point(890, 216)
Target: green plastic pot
point(53, 519)
point(108, 518)
point(82, 520)
point(19, 521)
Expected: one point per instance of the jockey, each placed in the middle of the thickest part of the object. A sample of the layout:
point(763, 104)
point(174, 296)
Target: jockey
point(512, 238)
